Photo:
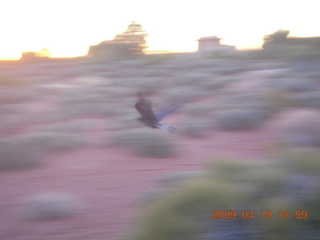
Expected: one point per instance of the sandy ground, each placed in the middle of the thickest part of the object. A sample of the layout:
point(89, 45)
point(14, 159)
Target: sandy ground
point(106, 183)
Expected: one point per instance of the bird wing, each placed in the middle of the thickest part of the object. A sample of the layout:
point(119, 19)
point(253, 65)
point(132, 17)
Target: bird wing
point(161, 114)
point(144, 107)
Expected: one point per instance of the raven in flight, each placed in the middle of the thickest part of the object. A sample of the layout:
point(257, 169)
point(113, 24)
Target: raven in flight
point(148, 117)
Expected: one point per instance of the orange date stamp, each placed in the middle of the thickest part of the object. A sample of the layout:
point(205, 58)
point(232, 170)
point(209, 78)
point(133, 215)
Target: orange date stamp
point(282, 214)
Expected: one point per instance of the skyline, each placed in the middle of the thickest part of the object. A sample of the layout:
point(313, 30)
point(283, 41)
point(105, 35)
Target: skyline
point(69, 28)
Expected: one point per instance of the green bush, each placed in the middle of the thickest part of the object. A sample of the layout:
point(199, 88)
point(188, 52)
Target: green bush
point(235, 185)
point(186, 213)
point(299, 160)
point(148, 143)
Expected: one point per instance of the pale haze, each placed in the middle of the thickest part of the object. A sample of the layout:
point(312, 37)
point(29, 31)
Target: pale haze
point(68, 28)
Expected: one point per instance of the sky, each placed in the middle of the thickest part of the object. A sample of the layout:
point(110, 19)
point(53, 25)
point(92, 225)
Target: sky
point(69, 27)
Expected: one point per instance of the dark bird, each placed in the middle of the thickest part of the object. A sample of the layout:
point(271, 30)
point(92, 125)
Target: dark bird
point(148, 117)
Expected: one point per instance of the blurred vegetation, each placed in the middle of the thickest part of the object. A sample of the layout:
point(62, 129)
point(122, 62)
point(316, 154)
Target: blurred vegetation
point(146, 143)
point(285, 183)
point(240, 119)
point(233, 93)
point(299, 128)
point(54, 141)
point(17, 154)
point(50, 205)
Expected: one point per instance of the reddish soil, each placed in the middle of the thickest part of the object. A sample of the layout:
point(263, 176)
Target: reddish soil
point(106, 182)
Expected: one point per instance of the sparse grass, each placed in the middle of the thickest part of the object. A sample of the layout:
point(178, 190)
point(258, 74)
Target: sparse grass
point(49, 206)
point(148, 143)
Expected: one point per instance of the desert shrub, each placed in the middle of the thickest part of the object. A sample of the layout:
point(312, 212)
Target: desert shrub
point(306, 99)
point(184, 94)
point(292, 84)
point(230, 70)
point(195, 78)
point(195, 128)
point(175, 178)
point(240, 119)
point(17, 154)
point(217, 83)
point(258, 179)
point(50, 205)
point(11, 122)
point(184, 212)
point(145, 83)
point(299, 128)
point(279, 100)
point(279, 228)
point(200, 109)
point(255, 100)
point(53, 141)
point(147, 143)
point(151, 195)
point(299, 160)
point(69, 127)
